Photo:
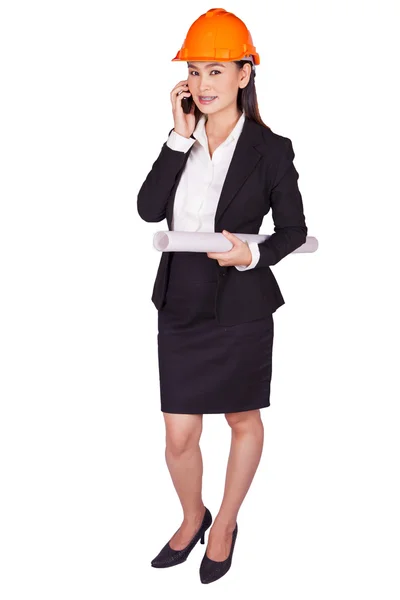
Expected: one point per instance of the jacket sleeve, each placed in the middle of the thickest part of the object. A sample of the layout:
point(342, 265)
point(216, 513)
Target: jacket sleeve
point(287, 213)
point(156, 188)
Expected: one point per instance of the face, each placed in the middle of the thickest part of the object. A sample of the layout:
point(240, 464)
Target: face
point(221, 80)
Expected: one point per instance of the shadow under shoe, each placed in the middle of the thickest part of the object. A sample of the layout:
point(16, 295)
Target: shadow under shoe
point(211, 570)
point(168, 557)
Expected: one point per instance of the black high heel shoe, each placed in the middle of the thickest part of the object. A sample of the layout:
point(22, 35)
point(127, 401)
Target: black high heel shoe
point(211, 570)
point(168, 557)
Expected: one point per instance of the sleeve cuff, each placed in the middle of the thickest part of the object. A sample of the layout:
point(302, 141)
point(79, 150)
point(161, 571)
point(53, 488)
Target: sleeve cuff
point(178, 142)
point(255, 253)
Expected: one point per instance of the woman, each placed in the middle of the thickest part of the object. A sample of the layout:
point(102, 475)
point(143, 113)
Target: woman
point(215, 323)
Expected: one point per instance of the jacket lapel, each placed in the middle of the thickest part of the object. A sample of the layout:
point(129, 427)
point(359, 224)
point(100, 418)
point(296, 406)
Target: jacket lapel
point(244, 160)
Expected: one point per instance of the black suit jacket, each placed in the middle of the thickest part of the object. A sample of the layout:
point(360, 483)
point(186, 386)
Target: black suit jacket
point(261, 176)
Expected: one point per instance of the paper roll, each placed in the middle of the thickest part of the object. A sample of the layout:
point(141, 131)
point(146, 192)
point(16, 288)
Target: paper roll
point(201, 241)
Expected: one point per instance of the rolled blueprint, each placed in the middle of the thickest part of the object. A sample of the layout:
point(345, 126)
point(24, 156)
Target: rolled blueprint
point(201, 241)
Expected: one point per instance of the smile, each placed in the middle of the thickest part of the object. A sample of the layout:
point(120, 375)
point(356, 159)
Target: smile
point(207, 99)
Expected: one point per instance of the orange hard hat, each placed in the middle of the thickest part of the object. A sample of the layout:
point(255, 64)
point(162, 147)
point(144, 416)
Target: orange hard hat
point(218, 35)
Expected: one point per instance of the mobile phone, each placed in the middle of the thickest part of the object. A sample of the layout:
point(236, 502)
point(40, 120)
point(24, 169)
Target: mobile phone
point(187, 104)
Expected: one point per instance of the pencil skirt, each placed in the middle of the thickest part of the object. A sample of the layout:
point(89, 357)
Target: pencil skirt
point(205, 367)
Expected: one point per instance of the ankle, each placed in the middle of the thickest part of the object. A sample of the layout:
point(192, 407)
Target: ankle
point(224, 523)
point(194, 516)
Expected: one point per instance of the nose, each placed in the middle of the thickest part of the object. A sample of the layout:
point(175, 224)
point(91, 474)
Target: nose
point(204, 86)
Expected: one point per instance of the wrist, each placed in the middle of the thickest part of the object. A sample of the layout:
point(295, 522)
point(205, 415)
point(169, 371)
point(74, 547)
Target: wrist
point(182, 134)
point(250, 255)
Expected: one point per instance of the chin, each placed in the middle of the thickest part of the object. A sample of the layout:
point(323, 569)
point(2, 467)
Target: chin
point(210, 108)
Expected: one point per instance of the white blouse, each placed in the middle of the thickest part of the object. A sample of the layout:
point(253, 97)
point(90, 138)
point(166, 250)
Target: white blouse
point(200, 185)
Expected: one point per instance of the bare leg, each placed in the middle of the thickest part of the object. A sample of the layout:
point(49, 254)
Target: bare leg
point(185, 464)
point(245, 454)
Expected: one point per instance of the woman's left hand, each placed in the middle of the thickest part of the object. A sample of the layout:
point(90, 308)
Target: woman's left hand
point(239, 255)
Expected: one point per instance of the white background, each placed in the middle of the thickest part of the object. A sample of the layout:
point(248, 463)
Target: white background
point(86, 498)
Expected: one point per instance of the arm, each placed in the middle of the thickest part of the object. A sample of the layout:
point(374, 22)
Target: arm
point(287, 213)
point(155, 190)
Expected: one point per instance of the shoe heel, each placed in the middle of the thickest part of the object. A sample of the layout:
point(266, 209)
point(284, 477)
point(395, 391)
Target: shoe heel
point(202, 538)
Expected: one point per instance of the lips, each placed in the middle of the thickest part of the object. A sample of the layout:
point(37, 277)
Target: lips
point(207, 99)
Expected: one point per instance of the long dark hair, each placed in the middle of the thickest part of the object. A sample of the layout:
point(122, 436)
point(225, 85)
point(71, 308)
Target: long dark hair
point(246, 98)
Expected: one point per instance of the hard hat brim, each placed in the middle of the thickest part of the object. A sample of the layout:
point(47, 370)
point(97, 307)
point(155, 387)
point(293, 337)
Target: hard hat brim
point(179, 58)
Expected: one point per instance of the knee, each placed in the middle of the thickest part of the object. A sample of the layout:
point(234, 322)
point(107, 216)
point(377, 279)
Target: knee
point(247, 420)
point(182, 436)
point(176, 445)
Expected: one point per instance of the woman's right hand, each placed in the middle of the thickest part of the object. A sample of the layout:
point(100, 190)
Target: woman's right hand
point(184, 124)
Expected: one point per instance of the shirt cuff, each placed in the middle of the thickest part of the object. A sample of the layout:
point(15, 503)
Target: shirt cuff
point(255, 253)
point(178, 142)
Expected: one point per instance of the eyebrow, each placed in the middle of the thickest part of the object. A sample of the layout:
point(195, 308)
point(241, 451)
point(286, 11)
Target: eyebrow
point(215, 64)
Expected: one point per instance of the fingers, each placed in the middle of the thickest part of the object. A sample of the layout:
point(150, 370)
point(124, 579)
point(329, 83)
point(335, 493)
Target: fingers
point(182, 86)
point(182, 83)
point(176, 101)
point(179, 91)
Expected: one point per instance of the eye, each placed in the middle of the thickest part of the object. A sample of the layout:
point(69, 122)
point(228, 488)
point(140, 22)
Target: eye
point(213, 71)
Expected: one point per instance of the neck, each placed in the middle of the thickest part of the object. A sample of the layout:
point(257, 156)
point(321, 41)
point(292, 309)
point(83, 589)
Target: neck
point(221, 123)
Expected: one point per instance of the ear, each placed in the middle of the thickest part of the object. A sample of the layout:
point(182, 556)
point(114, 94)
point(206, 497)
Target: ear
point(245, 75)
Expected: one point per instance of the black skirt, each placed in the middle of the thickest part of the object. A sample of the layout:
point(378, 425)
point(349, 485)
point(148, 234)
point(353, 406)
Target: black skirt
point(205, 367)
